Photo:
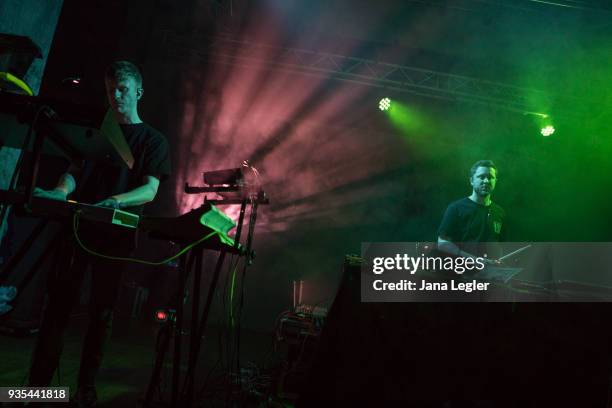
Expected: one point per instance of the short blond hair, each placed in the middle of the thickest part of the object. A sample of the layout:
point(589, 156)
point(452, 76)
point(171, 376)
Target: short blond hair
point(124, 69)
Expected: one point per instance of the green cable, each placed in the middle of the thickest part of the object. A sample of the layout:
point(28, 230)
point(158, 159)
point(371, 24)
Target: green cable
point(75, 226)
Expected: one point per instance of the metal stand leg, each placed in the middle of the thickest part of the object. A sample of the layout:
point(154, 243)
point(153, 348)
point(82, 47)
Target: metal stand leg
point(163, 342)
point(198, 331)
point(195, 340)
point(185, 266)
point(173, 327)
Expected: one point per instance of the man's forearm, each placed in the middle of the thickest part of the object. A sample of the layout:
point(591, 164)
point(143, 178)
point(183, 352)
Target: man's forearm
point(66, 184)
point(452, 249)
point(138, 196)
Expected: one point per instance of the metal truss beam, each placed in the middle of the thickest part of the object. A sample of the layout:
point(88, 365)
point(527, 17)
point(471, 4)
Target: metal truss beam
point(401, 78)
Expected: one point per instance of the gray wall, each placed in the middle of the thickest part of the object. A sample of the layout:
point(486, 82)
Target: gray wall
point(35, 19)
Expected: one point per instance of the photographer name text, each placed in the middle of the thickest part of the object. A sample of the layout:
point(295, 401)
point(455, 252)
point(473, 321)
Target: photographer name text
point(453, 285)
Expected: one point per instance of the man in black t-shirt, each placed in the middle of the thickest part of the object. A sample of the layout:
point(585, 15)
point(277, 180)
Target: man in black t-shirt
point(470, 228)
point(469, 224)
point(106, 186)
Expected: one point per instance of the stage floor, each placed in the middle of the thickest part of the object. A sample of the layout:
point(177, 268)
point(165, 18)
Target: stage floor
point(129, 358)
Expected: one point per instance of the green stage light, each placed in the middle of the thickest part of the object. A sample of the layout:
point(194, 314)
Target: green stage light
point(384, 104)
point(547, 130)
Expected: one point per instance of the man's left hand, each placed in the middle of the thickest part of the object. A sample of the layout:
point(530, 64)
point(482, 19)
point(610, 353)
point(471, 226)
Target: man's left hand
point(492, 262)
point(110, 202)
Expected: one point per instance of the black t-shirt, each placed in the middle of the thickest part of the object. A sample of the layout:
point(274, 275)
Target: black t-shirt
point(466, 222)
point(149, 147)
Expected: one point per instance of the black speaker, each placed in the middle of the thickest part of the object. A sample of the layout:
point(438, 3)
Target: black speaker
point(459, 354)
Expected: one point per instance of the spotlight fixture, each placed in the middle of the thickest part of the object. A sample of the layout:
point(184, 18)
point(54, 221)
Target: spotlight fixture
point(384, 104)
point(547, 130)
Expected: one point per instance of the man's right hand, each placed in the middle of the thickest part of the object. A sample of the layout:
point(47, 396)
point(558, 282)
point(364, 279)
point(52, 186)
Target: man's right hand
point(54, 194)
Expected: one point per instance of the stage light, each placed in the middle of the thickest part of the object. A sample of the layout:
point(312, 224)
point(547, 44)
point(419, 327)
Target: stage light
point(384, 104)
point(161, 316)
point(547, 130)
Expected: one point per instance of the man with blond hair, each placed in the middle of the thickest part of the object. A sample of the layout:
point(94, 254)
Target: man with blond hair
point(108, 186)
